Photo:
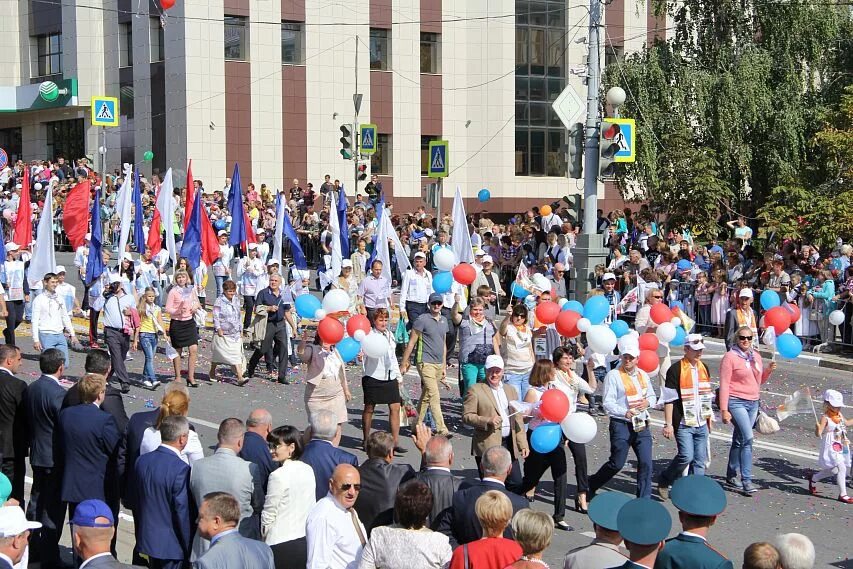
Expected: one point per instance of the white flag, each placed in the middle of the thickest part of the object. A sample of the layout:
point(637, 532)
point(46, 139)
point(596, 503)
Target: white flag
point(279, 231)
point(461, 238)
point(403, 263)
point(124, 201)
point(337, 256)
point(166, 206)
point(44, 259)
point(381, 245)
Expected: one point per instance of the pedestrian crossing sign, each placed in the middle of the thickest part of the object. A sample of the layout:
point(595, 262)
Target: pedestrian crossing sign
point(438, 151)
point(626, 139)
point(368, 139)
point(104, 111)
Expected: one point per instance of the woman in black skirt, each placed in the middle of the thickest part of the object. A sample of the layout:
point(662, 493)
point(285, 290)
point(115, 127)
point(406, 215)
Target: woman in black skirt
point(181, 304)
point(381, 381)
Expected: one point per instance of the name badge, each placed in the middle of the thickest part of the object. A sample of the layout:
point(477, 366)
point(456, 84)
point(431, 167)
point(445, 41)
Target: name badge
point(705, 405)
point(639, 423)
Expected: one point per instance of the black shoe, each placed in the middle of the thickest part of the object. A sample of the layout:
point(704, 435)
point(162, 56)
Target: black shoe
point(563, 525)
point(242, 383)
point(250, 373)
point(125, 388)
point(193, 384)
point(578, 508)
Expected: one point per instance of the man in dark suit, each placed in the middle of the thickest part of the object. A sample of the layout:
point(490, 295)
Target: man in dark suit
point(380, 479)
point(13, 428)
point(437, 461)
point(255, 446)
point(322, 453)
point(460, 522)
point(90, 439)
point(218, 517)
point(98, 361)
point(42, 404)
point(92, 529)
point(162, 498)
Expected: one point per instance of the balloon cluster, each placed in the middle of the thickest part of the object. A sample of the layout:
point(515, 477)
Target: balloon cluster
point(779, 318)
point(554, 408)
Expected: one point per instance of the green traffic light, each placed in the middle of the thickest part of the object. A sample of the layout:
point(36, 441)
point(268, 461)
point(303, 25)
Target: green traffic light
point(346, 154)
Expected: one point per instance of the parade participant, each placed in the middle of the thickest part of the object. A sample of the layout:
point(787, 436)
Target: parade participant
point(17, 291)
point(699, 501)
point(605, 551)
point(608, 284)
point(270, 301)
point(227, 334)
point(628, 395)
point(175, 402)
point(200, 281)
point(741, 315)
point(326, 386)
point(50, 320)
point(477, 341)
point(15, 533)
point(97, 288)
point(381, 381)
point(150, 325)
point(222, 265)
point(742, 373)
point(415, 291)
point(13, 430)
point(347, 283)
point(834, 457)
point(181, 304)
point(516, 338)
point(644, 525)
point(359, 261)
point(66, 292)
point(489, 276)
point(374, 291)
point(250, 270)
point(81, 259)
point(146, 273)
point(127, 273)
point(687, 397)
point(117, 308)
point(263, 246)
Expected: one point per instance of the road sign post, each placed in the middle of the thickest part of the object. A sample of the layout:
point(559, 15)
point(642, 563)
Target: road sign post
point(104, 114)
point(438, 168)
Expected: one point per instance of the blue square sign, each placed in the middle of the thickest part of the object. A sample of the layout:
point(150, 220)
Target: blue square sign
point(438, 155)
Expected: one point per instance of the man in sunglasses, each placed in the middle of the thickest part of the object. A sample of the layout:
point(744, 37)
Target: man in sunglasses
point(334, 533)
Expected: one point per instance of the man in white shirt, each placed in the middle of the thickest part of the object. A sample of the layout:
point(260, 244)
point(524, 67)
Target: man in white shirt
point(415, 291)
point(50, 320)
point(222, 265)
point(81, 259)
point(334, 533)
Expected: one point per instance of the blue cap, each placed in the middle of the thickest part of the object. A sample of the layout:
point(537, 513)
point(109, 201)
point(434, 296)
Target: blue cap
point(698, 496)
point(87, 513)
point(604, 507)
point(643, 521)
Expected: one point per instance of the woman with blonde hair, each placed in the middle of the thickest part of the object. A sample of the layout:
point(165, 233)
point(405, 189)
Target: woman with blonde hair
point(175, 402)
point(493, 551)
point(533, 532)
point(181, 304)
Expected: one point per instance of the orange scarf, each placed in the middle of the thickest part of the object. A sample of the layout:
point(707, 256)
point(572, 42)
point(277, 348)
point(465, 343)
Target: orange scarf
point(745, 321)
point(686, 381)
point(635, 399)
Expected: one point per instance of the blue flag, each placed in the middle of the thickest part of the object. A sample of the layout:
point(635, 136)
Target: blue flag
point(295, 248)
point(138, 232)
point(95, 264)
point(236, 209)
point(380, 209)
point(191, 246)
point(342, 222)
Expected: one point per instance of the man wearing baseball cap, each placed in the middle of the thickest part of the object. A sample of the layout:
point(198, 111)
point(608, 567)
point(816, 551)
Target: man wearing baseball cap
point(608, 285)
point(14, 535)
point(644, 525)
point(92, 529)
point(489, 276)
point(415, 291)
point(605, 550)
point(741, 315)
point(687, 397)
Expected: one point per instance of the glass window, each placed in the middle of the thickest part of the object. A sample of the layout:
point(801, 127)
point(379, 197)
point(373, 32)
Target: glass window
point(521, 56)
point(521, 152)
point(237, 38)
point(538, 14)
point(612, 53)
point(380, 49)
point(156, 39)
point(425, 140)
point(430, 53)
point(65, 138)
point(539, 113)
point(49, 55)
point(556, 160)
point(125, 102)
point(537, 152)
point(292, 43)
point(125, 45)
point(380, 161)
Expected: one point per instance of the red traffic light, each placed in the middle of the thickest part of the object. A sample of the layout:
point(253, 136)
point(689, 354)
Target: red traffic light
point(611, 131)
point(362, 168)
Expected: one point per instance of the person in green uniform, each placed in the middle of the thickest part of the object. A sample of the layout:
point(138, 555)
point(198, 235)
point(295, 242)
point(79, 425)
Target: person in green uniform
point(644, 525)
point(699, 500)
point(605, 550)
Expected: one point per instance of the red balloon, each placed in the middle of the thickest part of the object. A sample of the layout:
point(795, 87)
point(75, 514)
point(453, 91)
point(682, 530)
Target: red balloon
point(330, 330)
point(167, 4)
point(778, 318)
point(649, 341)
point(793, 310)
point(567, 323)
point(464, 274)
point(554, 405)
point(547, 312)
point(358, 322)
point(648, 361)
point(661, 313)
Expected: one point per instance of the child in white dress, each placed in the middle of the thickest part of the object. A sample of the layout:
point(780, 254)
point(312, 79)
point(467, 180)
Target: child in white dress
point(834, 457)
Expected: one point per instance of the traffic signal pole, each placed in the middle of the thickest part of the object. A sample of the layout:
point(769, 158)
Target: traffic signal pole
point(356, 132)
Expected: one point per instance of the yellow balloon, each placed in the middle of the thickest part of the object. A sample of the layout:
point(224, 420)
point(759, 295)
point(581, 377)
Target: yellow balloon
point(545, 210)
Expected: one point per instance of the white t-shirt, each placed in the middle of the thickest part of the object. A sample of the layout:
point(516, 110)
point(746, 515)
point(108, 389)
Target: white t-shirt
point(191, 453)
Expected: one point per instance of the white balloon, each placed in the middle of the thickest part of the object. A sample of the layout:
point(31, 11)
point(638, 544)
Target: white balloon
point(37, 186)
point(336, 300)
point(601, 339)
point(562, 302)
point(358, 336)
point(584, 324)
point(375, 345)
point(444, 259)
point(666, 332)
point(676, 321)
point(320, 314)
point(579, 427)
point(836, 317)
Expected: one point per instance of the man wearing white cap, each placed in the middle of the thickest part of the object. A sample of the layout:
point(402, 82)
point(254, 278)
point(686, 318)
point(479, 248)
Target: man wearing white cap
point(741, 315)
point(489, 276)
point(415, 291)
point(222, 265)
point(17, 291)
point(687, 397)
point(251, 268)
point(15, 532)
point(81, 259)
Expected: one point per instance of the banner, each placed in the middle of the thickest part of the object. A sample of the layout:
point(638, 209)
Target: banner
point(75, 214)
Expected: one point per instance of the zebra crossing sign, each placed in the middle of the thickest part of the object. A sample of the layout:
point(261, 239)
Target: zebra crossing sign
point(104, 111)
point(438, 153)
point(368, 139)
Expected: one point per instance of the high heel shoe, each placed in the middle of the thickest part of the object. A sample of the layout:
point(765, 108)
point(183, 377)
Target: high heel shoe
point(578, 507)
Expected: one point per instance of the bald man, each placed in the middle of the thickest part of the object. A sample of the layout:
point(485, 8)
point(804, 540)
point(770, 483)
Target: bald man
point(335, 535)
point(255, 447)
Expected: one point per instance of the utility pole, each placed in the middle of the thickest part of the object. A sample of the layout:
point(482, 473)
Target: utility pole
point(356, 132)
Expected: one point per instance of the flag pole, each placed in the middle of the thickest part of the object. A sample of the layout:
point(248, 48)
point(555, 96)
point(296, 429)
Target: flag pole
point(809, 392)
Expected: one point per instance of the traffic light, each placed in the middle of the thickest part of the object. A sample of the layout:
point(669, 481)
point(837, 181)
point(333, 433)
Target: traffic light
point(611, 134)
point(575, 158)
point(362, 172)
point(346, 141)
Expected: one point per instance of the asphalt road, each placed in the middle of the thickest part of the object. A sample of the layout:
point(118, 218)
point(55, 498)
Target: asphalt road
point(781, 463)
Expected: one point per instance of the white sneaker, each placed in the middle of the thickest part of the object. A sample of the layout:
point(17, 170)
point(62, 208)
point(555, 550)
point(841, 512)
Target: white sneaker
point(149, 384)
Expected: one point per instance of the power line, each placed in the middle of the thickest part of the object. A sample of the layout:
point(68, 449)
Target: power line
point(509, 120)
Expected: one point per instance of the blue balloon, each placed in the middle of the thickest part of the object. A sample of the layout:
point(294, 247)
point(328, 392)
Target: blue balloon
point(596, 309)
point(769, 299)
point(677, 304)
point(574, 306)
point(348, 349)
point(442, 282)
point(484, 195)
point(683, 265)
point(307, 305)
point(680, 337)
point(789, 346)
point(518, 291)
point(545, 437)
point(620, 328)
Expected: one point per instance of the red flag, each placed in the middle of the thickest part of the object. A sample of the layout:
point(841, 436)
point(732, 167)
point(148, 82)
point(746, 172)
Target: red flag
point(209, 242)
point(24, 222)
point(75, 215)
point(153, 244)
point(190, 195)
point(250, 233)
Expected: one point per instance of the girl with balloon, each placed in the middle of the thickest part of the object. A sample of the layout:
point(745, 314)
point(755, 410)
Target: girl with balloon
point(382, 378)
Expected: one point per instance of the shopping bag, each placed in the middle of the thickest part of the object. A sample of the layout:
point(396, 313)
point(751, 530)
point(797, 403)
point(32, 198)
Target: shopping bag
point(401, 335)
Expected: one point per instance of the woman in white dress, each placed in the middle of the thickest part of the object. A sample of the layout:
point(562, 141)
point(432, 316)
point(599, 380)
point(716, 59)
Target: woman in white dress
point(228, 334)
point(834, 457)
point(174, 403)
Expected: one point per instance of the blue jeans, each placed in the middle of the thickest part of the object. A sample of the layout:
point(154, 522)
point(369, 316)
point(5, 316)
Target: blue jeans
point(744, 414)
point(520, 381)
point(57, 341)
point(622, 437)
point(692, 450)
point(219, 281)
point(149, 348)
point(471, 374)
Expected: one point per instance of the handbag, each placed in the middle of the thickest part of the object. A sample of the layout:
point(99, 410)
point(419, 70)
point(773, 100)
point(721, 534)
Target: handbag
point(481, 351)
point(401, 335)
point(200, 317)
point(766, 425)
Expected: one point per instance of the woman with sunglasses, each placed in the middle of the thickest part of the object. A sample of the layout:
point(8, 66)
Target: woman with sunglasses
point(517, 339)
point(742, 372)
point(287, 503)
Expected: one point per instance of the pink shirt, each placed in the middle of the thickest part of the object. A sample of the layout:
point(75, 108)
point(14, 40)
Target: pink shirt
point(179, 303)
point(740, 379)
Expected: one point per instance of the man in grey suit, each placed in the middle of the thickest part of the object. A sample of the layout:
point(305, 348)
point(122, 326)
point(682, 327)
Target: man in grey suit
point(217, 522)
point(225, 471)
point(92, 529)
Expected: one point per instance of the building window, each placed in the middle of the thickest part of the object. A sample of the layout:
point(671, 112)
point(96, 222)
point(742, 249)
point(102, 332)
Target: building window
point(425, 140)
point(380, 49)
point(126, 100)
point(125, 45)
point(292, 43)
point(612, 54)
point(380, 161)
point(430, 53)
point(48, 55)
point(236, 38)
point(65, 138)
point(156, 40)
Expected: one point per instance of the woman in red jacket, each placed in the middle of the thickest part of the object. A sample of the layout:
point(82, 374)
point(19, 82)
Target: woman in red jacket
point(492, 551)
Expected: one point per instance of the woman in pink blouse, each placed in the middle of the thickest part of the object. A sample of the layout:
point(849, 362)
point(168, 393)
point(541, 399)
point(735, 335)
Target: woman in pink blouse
point(181, 305)
point(741, 375)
